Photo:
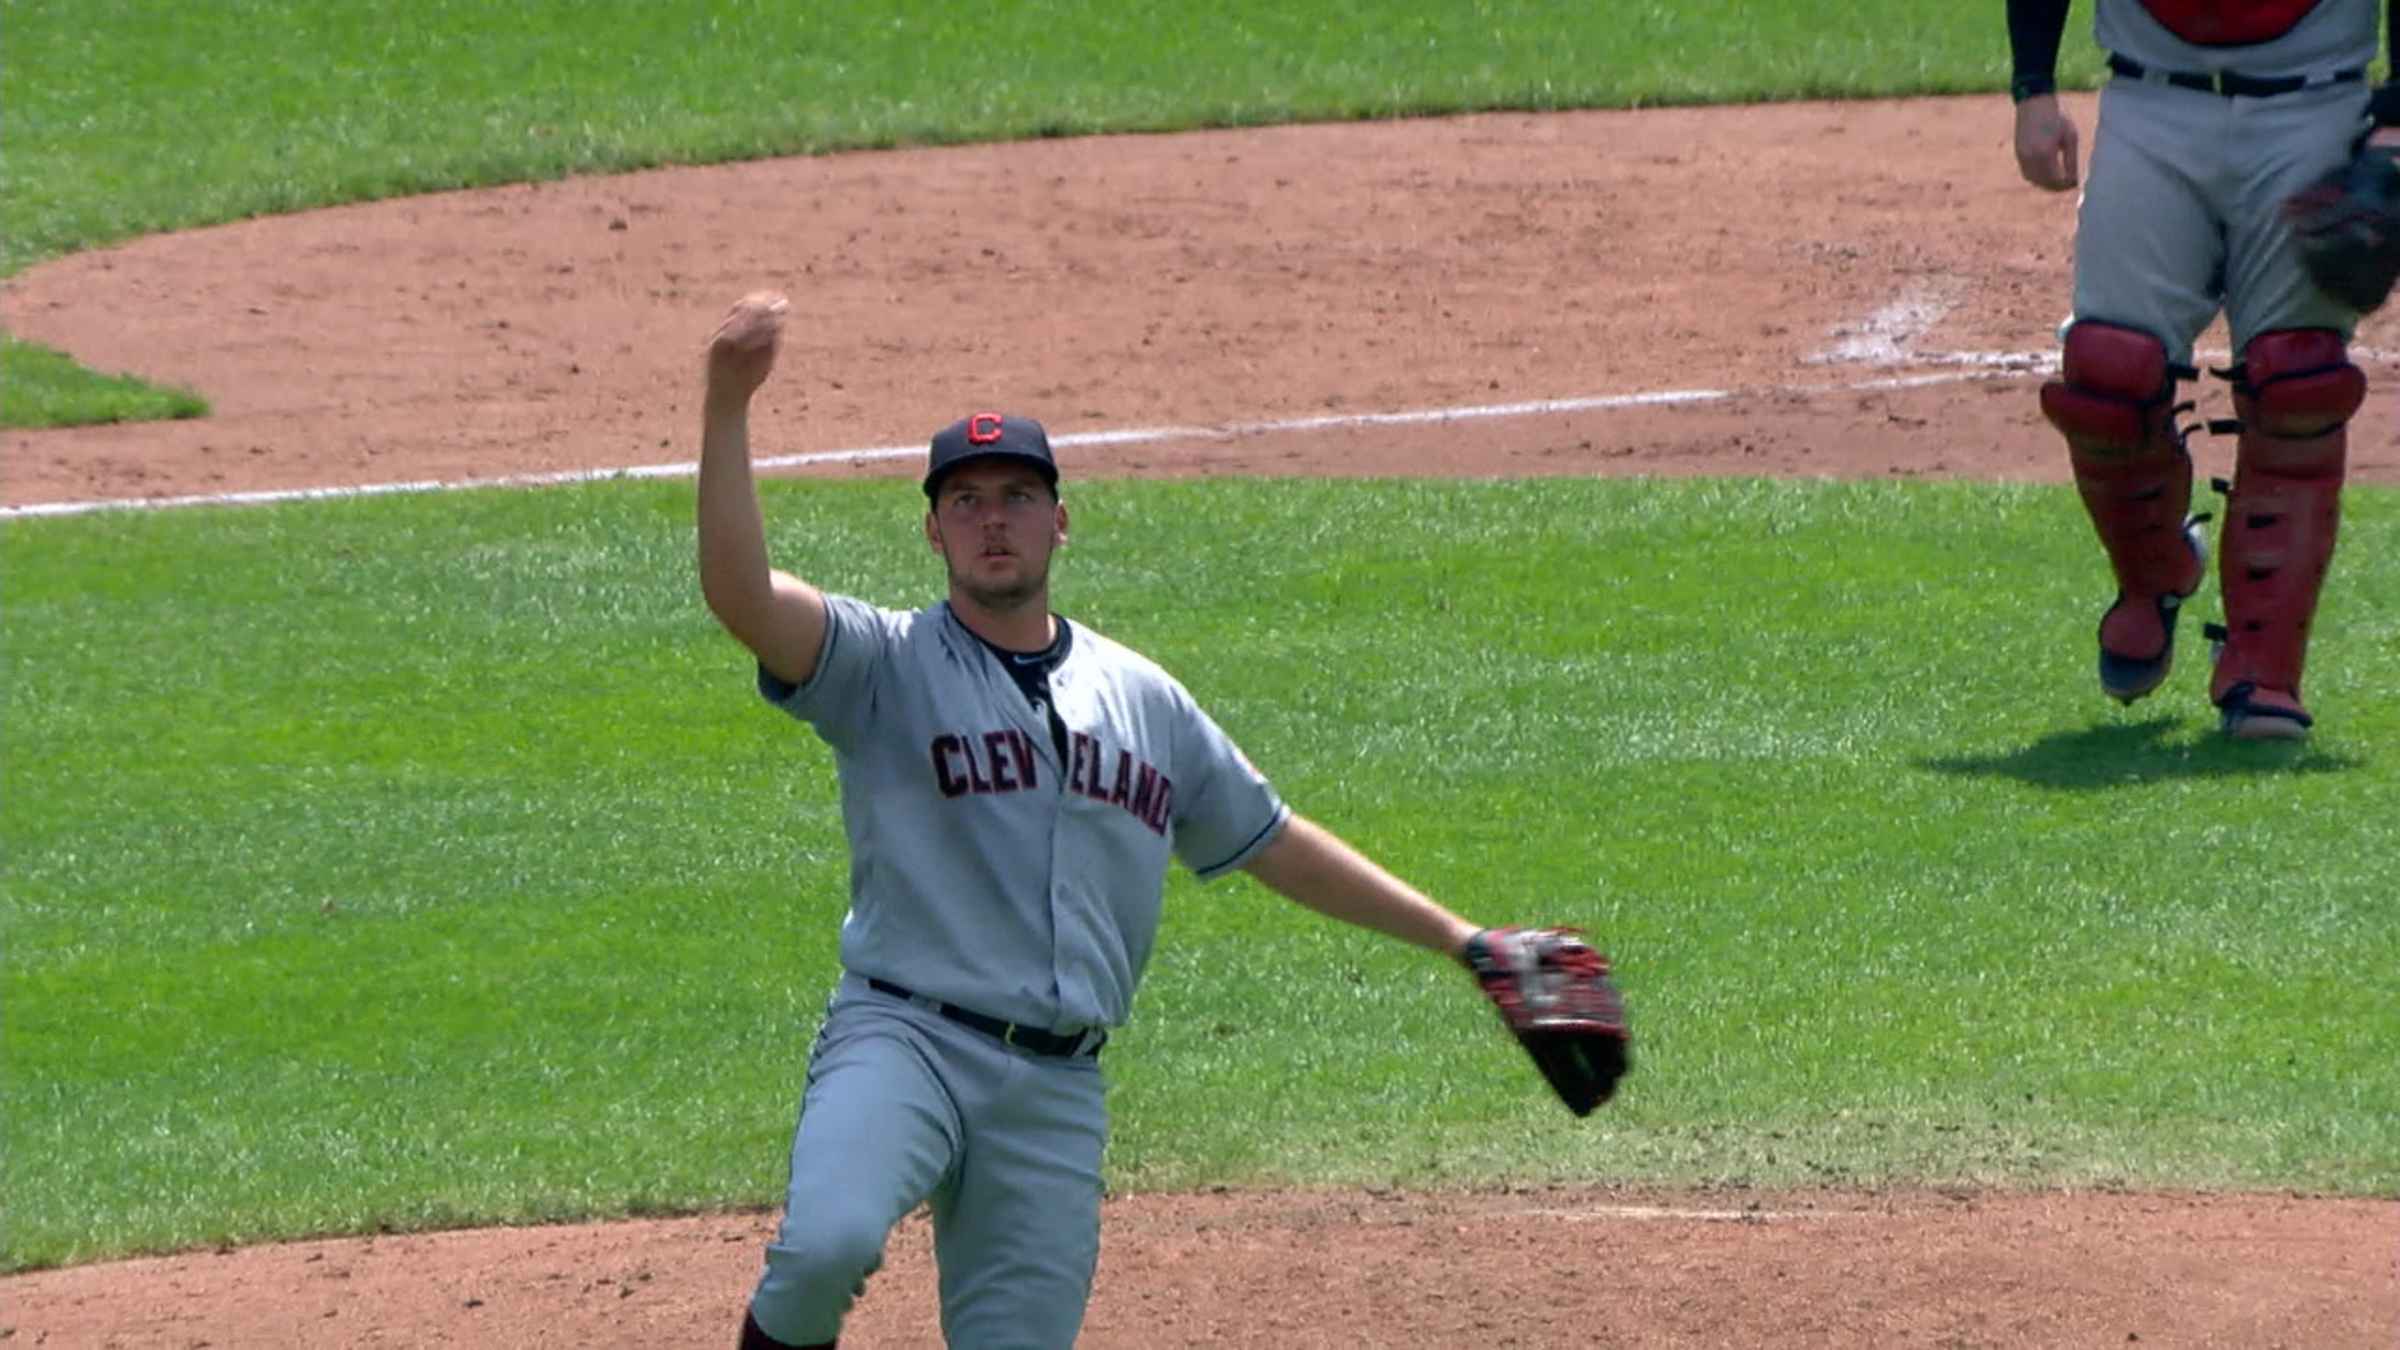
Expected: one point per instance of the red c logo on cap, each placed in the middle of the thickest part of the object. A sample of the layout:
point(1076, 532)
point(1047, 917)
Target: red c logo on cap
point(983, 428)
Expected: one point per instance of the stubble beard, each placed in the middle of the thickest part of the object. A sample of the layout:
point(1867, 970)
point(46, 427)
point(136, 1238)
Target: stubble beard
point(1031, 589)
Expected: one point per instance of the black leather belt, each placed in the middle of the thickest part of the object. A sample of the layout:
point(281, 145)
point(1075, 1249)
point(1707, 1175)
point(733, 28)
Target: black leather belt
point(2228, 83)
point(1034, 1039)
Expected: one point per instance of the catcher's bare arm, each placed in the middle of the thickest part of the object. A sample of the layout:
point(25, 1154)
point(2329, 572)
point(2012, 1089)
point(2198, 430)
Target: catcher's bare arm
point(776, 615)
point(2047, 144)
point(1308, 864)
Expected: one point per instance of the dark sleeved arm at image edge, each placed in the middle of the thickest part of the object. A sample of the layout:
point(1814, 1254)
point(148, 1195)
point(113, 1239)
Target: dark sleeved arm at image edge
point(2034, 30)
point(2383, 106)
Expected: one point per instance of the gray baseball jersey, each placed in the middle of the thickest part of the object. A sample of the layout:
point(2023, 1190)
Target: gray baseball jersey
point(986, 868)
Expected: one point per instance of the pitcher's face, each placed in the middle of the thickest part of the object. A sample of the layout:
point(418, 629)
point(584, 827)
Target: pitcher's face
point(996, 526)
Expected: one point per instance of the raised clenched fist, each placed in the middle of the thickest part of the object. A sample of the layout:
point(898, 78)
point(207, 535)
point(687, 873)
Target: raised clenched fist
point(742, 350)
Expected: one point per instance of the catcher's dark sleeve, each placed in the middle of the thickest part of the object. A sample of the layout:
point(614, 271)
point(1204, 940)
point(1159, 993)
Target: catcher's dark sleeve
point(2384, 106)
point(2034, 30)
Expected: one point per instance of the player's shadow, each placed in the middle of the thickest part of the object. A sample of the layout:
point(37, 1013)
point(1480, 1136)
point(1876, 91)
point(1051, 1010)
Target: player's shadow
point(2118, 753)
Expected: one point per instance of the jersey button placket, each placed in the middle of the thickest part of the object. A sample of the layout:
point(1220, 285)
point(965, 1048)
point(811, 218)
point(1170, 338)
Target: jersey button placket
point(1046, 712)
point(1060, 863)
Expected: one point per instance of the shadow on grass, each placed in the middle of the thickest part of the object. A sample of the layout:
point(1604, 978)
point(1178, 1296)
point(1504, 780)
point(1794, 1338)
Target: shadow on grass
point(2140, 752)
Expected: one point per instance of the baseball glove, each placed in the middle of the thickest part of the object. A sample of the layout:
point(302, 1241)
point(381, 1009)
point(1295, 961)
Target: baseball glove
point(2346, 226)
point(1554, 996)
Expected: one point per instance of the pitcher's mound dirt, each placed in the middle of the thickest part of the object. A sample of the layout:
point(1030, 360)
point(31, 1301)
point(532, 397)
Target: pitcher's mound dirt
point(1851, 290)
point(1340, 1270)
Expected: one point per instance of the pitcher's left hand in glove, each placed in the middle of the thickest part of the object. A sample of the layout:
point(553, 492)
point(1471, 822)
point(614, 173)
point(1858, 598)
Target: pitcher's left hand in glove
point(1554, 996)
point(2346, 228)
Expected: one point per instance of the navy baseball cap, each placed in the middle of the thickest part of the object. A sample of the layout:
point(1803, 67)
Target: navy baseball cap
point(990, 435)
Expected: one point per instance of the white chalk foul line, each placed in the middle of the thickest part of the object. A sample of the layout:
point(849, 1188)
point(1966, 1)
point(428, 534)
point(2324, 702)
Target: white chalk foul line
point(1603, 1213)
point(1972, 366)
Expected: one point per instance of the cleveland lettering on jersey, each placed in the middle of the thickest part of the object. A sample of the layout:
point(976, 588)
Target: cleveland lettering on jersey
point(996, 761)
point(1134, 784)
point(969, 764)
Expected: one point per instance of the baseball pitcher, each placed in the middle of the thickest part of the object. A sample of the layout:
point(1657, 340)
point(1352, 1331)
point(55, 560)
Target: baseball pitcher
point(1014, 786)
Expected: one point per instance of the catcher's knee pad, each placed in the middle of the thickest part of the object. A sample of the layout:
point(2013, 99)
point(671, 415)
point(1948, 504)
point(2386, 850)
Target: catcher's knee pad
point(2294, 394)
point(2115, 403)
point(2115, 395)
point(2296, 384)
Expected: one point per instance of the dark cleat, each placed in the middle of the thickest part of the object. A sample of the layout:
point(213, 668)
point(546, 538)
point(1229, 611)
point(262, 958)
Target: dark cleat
point(2127, 678)
point(2253, 713)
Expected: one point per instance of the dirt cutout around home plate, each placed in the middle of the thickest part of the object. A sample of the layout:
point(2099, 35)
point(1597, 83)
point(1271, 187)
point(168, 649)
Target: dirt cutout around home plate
point(1860, 291)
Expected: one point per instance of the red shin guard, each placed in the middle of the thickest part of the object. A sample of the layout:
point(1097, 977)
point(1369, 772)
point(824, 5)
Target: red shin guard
point(2295, 396)
point(2115, 404)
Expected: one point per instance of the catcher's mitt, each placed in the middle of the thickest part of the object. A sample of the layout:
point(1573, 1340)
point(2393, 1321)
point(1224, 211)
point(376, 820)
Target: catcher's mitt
point(1554, 996)
point(2346, 226)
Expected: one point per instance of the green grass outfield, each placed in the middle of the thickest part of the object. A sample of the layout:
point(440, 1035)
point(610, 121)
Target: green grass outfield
point(428, 861)
point(128, 117)
point(407, 862)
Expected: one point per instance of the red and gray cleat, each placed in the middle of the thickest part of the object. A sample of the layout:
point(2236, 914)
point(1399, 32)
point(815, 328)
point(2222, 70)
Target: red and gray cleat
point(2136, 627)
point(2249, 711)
point(2254, 714)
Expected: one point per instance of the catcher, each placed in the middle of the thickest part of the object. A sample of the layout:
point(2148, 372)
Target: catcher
point(1061, 774)
point(2221, 181)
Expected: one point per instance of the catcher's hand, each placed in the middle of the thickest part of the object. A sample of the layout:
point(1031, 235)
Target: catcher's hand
point(1554, 996)
point(2346, 227)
